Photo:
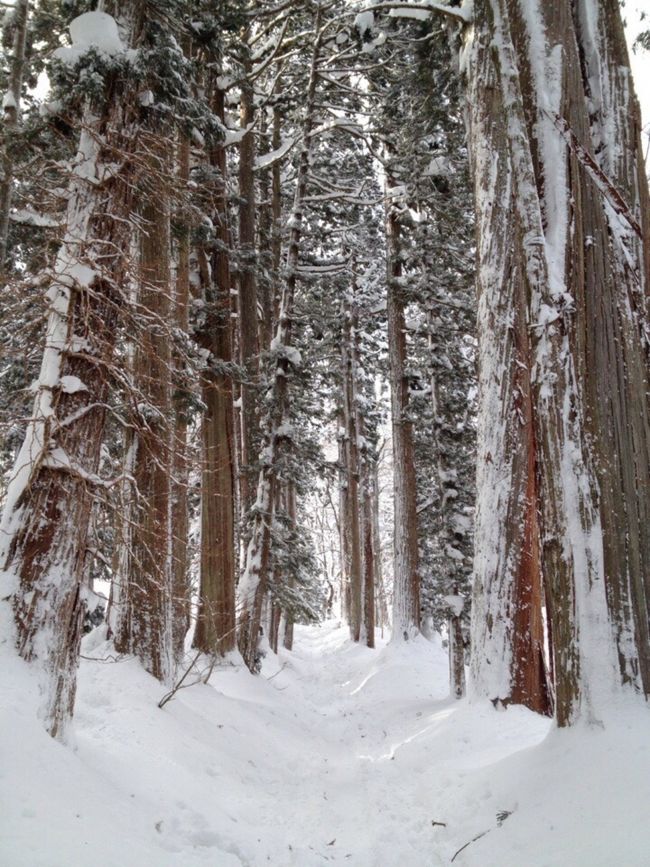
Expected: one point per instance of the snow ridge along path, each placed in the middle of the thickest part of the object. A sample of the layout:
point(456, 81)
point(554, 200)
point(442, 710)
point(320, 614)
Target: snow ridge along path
point(335, 755)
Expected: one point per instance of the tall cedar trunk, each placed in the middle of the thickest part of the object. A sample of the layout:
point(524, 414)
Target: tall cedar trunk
point(444, 478)
point(146, 615)
point(11, 110)
point(364, 475)
point(274, 626)
point(381, 608)
point(616, 301)
point(562, 232)
point(456, 657)
point(406, 583)
point(248, 331)
point(344, 528)
point(50, 494)
point(276, 215)
point(368, 557)
point(266, 284)
point(254, 580)
point(180, 453)
point(215, 630)
point(287, 638)
point(507, 566)
point(455, 622)
point(353, 553)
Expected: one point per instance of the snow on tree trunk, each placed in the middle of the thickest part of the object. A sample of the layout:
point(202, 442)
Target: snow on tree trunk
point(406, 583)
point(564, 433)
point(616, 296)
point(45, 521)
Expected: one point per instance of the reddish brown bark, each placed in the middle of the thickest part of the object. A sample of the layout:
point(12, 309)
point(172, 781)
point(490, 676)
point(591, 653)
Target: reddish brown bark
point(48, 521)
point(406, 592)
point(146, 599)
point(215, 631)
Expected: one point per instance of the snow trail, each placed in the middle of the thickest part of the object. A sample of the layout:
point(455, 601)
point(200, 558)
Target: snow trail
point(335, 755)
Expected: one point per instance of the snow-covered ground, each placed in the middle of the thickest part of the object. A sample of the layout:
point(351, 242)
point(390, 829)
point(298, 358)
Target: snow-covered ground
point(335, 755)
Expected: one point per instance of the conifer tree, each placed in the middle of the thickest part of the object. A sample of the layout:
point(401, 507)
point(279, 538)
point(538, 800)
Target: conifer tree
point(47, 508)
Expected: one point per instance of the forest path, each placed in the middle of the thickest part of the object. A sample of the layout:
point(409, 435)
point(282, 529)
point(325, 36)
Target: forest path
point(334, 755)
point(360, 711)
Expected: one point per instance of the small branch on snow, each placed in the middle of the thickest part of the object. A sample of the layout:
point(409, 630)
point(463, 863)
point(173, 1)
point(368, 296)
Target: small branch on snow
point(277, 672)
point(179, 684)
point(473, 840)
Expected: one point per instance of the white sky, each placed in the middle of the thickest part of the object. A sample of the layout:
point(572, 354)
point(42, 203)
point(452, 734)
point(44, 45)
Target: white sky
point(640, 60)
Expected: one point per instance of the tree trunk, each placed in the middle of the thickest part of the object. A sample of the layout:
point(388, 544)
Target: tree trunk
point(406, 583)
point(248, 332)
point(146, 614)
point(180, 454)
point(344, 529)
point(446, 480)
point(369, 558)
point(287, 639)
point(381, 613)
point(45, 521)
point(456, 657)
point(254, 581)
point(11, 108)
point(564, 441)
point(215, 631)
point(353, 552)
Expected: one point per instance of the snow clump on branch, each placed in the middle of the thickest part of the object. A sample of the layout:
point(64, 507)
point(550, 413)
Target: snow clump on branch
point(92, 30)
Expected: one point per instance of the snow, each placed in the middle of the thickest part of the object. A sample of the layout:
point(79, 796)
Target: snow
point(92, 30)
point(364, 21)
point(71, 384)
point(32, 218)
point(439, 167)
point(234, 136)
point(336, 754)
point(405, 12)
point(265, 161)
point(292, 355)
point(96, 28)
point(456, 603)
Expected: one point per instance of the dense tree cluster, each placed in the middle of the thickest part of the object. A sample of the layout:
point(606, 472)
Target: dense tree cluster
point(238, 243)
